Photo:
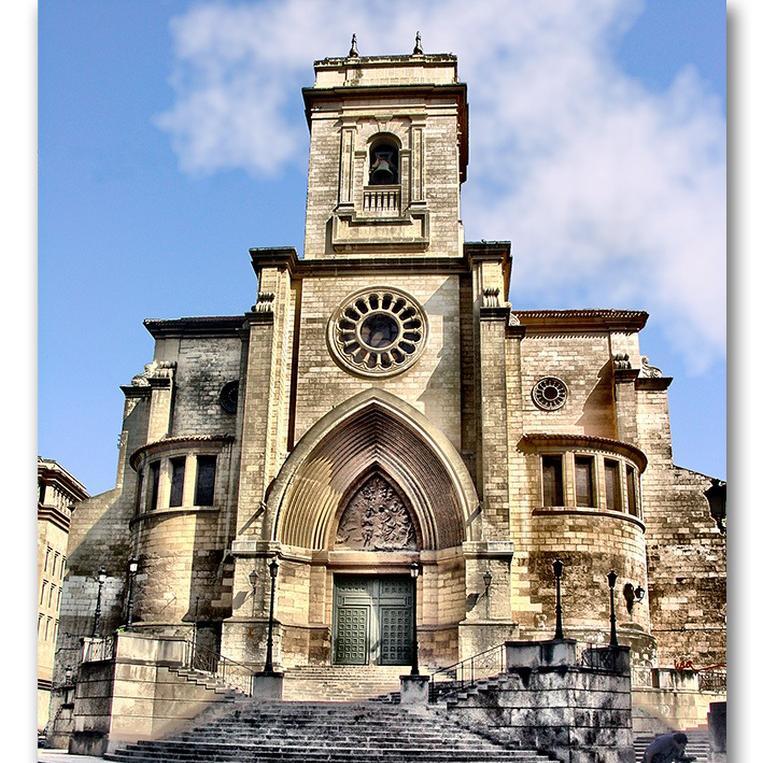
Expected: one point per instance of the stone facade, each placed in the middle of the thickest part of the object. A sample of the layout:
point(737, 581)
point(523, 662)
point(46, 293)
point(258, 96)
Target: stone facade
point(58, 493)
point(511, 437)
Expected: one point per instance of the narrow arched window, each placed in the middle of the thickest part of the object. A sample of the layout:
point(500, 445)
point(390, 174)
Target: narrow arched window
point(383, 164)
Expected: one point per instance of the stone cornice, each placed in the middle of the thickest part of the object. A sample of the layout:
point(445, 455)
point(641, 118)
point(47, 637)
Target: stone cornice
point(52, 473)
point(653, 383)
point(54, 515)
point(424, 58)
point(603, 513)
point(571, 441)
point(588, 320)
point(205, 325)
point(284, 257)
point(171, 442)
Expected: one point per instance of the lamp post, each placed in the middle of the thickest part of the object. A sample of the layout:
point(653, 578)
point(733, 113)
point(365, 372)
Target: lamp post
point(273, 567)
point(132, 571)
point(558, 567)
point(96, 618)
point(253, 578)
point(612, 579)
point(415, 571)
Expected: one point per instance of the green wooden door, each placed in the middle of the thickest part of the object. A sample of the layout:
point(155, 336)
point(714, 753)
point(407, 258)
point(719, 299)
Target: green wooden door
point(373, 620)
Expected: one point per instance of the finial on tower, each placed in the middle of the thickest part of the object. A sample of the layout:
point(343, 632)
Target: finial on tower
point(418, 50)
point(354, 47)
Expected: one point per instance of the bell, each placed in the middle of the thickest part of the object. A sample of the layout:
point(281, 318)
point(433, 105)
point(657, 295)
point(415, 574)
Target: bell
point(382, 172)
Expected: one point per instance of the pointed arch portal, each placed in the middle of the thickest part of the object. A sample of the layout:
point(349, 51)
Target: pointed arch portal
point(373, 433)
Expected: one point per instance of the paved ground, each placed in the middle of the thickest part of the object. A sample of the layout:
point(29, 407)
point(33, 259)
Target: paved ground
point(61, 756)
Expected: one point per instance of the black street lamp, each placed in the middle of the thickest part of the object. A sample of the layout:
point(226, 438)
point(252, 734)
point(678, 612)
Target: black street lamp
point(96, 618)
point(132, 571)
point(612, 579)
point(273, 567)
point(415, 571)
point(558, 567)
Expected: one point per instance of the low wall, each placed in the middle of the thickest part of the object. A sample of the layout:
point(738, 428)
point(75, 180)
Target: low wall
point(137, 694)
point(673, 703)
point(547, 702)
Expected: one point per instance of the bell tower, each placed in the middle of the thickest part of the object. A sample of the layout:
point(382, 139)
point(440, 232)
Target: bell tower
point(388, 154)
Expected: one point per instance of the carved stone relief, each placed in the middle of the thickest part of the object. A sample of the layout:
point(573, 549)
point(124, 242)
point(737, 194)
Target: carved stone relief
point(376, 519)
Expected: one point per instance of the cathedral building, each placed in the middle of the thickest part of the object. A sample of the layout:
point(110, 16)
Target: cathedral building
point(383, 409)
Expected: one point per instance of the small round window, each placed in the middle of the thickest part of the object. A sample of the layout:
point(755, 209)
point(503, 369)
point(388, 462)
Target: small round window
point(550, 393)
point(229, 397)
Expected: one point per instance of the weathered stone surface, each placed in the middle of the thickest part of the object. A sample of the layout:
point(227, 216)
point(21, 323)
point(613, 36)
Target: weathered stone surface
point(489, 487)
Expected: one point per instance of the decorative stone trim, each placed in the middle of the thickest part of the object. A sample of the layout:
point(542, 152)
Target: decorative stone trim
point(264, 302)
point(649, 371)
point(537, 440)
point(604, 320)
point(171, 443)
point(605, 513)
point(171, 511)
point(157, 370)
point(378, 332)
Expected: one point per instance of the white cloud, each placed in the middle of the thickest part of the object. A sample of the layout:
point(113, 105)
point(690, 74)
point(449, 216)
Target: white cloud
point(604, 187)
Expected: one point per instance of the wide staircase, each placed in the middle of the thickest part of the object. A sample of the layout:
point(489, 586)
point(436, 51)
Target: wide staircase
point(342, 683)
point(698, 745)
point(322, 731)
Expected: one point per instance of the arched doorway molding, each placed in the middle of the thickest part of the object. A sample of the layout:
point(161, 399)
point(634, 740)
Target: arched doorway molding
point(373, 429)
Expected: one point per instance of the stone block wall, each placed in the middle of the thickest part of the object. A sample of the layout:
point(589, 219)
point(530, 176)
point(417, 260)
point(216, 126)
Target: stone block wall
point(686, 547)
point(575, 714)
point(204, 365)
point(136, 695)
point(341, 132)
point(583, 362)
point(431, 385)
point(658, 710)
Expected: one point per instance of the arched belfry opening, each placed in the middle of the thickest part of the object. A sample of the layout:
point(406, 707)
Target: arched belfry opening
point(383, 161)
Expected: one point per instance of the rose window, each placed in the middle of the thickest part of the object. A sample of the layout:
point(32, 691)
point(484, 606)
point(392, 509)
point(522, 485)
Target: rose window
point(550, 393)
point(378, 332)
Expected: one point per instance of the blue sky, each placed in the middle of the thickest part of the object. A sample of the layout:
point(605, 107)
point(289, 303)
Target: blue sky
point(172, 138)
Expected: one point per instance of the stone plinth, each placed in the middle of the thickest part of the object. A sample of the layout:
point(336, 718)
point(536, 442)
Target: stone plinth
point(268, 685)
point(414, 690)
point(534, 654)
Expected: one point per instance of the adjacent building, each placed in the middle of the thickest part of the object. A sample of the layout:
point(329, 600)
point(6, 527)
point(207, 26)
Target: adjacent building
point(58, 492)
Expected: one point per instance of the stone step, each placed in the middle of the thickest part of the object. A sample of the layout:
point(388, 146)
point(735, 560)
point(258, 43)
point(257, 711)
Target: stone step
point(307, 754)
point(342, 682)
point(325, 732)
point(297, 756)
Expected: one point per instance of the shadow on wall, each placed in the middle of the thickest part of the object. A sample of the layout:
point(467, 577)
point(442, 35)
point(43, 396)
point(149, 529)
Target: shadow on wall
point(440, 385)
point(598, 418)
